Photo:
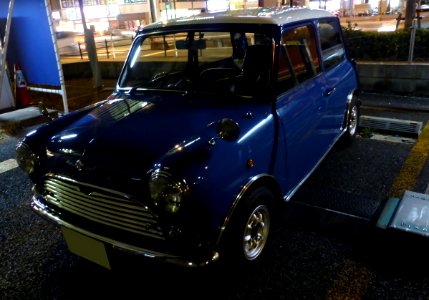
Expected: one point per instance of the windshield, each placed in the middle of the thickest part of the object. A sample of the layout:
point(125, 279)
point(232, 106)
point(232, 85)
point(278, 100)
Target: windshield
point(218, 62)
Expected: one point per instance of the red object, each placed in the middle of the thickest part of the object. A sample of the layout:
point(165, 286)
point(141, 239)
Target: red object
point(21, 94)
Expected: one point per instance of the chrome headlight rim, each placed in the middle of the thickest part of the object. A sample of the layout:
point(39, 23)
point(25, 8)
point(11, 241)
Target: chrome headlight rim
point(27, 160)
point(167, 192)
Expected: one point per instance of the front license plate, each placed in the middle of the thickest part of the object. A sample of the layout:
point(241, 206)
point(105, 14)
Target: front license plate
point(86, 247)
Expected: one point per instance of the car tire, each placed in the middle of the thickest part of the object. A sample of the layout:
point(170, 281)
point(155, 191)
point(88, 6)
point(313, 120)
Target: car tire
point(248, 237)
point(352, 123)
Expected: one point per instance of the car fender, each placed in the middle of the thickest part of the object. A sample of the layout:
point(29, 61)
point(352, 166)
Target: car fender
point(243, 163)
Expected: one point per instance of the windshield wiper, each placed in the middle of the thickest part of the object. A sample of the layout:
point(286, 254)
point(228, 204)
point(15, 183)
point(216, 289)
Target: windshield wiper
point(137, 90)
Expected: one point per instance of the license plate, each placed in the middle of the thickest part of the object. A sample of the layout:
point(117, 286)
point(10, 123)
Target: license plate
point(86, 247)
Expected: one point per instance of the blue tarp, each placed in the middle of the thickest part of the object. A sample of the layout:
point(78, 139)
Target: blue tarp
point(30, 42)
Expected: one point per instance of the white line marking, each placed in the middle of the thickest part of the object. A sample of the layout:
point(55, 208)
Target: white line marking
point(8, 165)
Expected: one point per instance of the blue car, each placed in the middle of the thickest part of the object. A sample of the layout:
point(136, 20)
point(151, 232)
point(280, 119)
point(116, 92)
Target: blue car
point(215, 120)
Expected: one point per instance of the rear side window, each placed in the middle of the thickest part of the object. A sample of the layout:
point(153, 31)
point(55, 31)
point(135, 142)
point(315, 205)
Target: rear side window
point(330, 41)
point(300, 51)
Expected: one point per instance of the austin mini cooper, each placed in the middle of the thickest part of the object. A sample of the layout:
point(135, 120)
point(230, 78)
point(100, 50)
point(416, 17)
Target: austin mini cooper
point(214, 120)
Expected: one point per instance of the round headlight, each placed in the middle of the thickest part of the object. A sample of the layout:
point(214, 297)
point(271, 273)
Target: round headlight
point(25, 158)
point(166, 192)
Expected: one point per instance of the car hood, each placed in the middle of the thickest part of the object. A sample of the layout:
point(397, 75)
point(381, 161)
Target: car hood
point(129, 135)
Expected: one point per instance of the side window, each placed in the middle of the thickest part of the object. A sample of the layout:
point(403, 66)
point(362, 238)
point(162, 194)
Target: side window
point(286, 77)
point(300, 49)
point(330, 41)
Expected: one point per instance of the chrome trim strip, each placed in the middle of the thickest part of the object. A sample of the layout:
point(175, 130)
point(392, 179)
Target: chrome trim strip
point(169, 258)
point(63, 178)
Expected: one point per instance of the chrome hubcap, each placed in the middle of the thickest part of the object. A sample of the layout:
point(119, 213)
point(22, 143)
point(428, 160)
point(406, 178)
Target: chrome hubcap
point(353, 120)
point(256, 232)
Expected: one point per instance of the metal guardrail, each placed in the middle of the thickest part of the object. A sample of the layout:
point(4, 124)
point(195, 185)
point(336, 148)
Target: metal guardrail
point(104, 47)
point(418, 17)
point(418, 12)
point(107, 47)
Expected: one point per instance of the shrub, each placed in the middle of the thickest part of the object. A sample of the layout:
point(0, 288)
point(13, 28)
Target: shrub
point(386, 46)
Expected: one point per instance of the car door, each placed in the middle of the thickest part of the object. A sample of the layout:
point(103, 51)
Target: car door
point(300, 105)
point(339, 78)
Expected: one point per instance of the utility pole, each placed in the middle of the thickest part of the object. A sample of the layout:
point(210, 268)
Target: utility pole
point(90, 48)
point(153, 10)
point(410, 11)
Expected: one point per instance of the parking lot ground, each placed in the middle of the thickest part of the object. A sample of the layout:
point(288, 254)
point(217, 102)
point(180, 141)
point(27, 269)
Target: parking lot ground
point(350, 185)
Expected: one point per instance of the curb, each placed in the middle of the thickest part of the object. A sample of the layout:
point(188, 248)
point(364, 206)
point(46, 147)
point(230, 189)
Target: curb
point(409, 103)
point(14, 121)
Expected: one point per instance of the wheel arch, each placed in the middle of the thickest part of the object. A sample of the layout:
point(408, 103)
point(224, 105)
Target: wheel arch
point(261, 180)
point(354, 94)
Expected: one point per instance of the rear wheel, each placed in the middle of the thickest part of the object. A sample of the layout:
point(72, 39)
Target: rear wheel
point(352, 123)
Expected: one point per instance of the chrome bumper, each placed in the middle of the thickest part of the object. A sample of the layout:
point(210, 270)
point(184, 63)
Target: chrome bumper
point(44, 211)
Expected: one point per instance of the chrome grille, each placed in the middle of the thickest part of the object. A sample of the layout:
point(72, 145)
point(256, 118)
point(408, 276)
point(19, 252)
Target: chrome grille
point(101, 205)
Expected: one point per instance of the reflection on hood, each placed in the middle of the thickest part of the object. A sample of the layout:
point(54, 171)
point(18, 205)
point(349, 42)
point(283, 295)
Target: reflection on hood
point(117, 109)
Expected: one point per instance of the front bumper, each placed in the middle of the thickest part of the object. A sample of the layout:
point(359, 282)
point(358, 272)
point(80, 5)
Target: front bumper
point(38, 205)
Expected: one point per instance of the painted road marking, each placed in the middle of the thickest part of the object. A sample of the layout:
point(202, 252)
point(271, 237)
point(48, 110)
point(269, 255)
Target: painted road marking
point(354, 278)
point(8, 165)
point(413, 165)
point(351, 283)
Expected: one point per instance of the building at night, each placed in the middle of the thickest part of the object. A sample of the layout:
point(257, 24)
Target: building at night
point(110, 16)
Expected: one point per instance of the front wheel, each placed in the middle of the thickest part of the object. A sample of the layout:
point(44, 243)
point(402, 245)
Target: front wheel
point(248, 235)
point(256, 232)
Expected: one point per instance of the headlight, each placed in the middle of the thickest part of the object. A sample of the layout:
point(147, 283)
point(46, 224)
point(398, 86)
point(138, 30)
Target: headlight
point(166, 192)
point(26, 159)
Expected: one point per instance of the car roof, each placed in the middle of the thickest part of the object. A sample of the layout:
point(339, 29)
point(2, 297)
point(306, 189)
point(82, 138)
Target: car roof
point(249, 16)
